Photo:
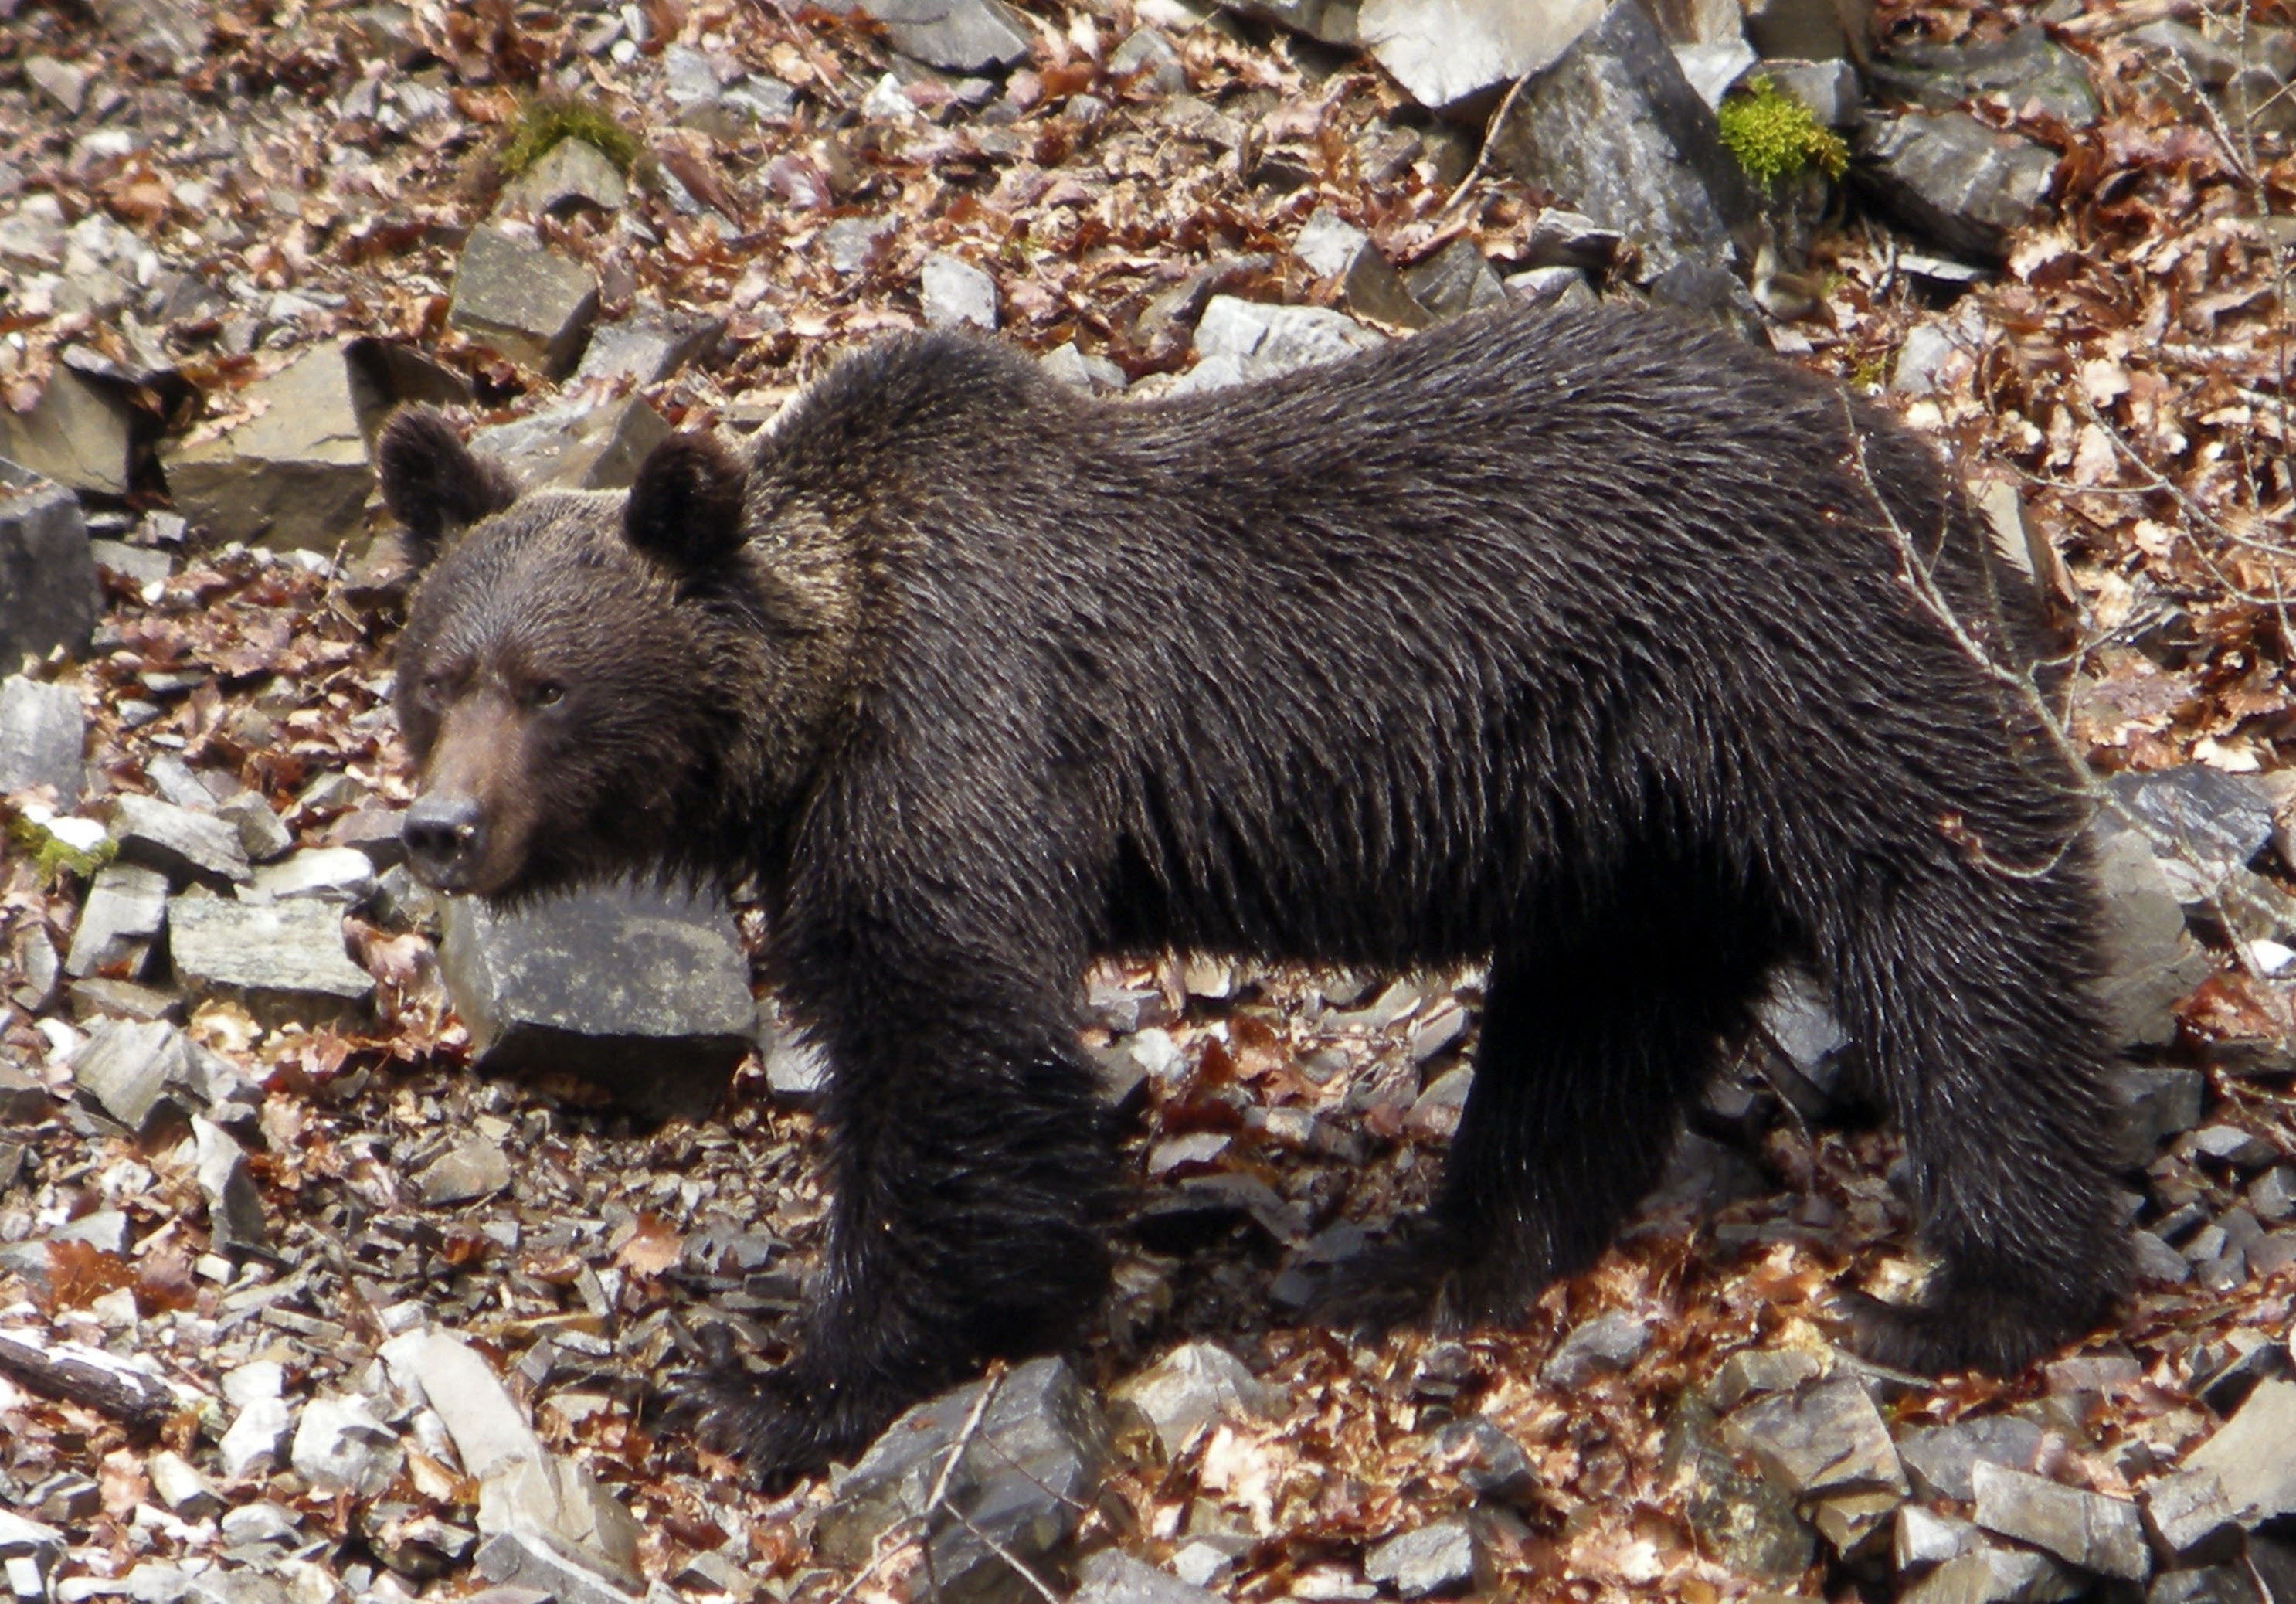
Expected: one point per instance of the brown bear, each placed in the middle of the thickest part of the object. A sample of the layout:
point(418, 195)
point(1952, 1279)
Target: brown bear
point(1595, 644)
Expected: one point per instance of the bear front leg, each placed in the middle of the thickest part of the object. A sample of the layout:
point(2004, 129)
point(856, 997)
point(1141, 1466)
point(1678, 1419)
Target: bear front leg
point(973, 1169)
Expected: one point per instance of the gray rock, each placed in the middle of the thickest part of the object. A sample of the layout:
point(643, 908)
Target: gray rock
point(1333, 21)
point(262, 835)
point(1435, 1559)
point(2095, 1533)
point(127, 1068)
point(1809, 31)
point(1329, 246)
point(61, 82)
point(1616, 130)
point(2204, 825)
point(1455, 280)
point(571, 174)
point(1994, 1576)
point(1242, 340)
point(1095, 376)
point(106, 1228)
point(1826, 1438)
point(80, 433)
point(528, 303)
point(644, 994)
point(2156, 1261)
point(1451, 54)
point(340, 874)
point(48, 583)
point(1489, 1462)
point(1560, 238)
point(2210, 1585)
point(1747, 1521)
point(171, 35)
point(24, 1099)
point(1030, 1470)
point(1751, 1372)
point(284, 961)
point(2188, 1511)
point(127, 908)
point(341, 1447)
point(1925, 1538)
point(955, 294)
point(1715, 70)
point(2151, 961)
point(1144, 50)
point(179, 1486)
point(2249, 1454)
point(179, 843)
point(1829, 88)
point(647, 347)
point(148, 569)
point(955, 35)
point(264, 1522)
point(1599, 1346)
point(2026, 68)
point(1942, 1458)
point(1954, 180)
point(1191, 1388)
point(296, 476)
point(22, 1538)
point(43, 733)
point(527, 1567)
point(1555, 289)
point(235, 1221)
point(474, 1167)
point(1435, 1113)
point(1111, 1577)
point(2232, 1145)
point(853, 243)
point(577, 446)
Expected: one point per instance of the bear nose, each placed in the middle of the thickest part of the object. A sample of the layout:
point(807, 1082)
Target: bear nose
point(444, 836)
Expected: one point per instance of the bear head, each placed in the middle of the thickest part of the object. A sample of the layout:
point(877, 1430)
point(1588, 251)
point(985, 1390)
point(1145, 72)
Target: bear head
point(579, 670)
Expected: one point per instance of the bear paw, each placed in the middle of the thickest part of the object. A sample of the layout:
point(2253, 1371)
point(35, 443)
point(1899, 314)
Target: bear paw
point(783, 1425)
point(1961, 1329)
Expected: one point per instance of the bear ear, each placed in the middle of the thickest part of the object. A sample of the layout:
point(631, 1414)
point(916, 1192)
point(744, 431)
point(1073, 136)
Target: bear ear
point(686, 504)
point(433, 483)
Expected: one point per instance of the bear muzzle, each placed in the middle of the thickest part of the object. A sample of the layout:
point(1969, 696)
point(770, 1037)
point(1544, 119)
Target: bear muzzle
point(446, 839)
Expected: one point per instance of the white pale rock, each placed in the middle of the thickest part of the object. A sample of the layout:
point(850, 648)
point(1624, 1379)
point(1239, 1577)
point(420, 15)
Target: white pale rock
point(339, 1446)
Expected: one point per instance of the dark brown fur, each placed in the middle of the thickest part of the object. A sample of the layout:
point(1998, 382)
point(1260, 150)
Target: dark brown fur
point(1577, 643)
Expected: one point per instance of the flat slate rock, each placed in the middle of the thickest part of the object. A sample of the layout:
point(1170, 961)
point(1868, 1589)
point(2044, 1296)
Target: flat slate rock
point(2095, 1533)
point(955, 35)
point(576, 446)
point(531, 305)
point(1029, 1470)
point(1954, 180)
point(47, 573)
point(293, 477)
point(1825, 1438)
point(127, 907)
point(1451, 54)
point(286, 959)
point(127, 1068)
point(643, 992)
point(79, 433)
point(43, 738)
point(181, 843)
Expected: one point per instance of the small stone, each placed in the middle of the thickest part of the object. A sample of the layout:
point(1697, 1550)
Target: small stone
point(80, 433)
point(644, 992)
point(126, 1068)
point(1925, 1538)
point(341, 875)
point(2231, 1145)
point(62, 82)
point(1555, 289)
point(262, 835)
point(180, 1487)
point(1146, 51)
point(955, 35)
point(126, 909)
point(1994, 1576)
point(533, 306)
point(47, 599)
point(534, 1573)
point(571, 174)
point(1030, 1470)
point(235, 1221)
point(341, 1447)
point(473, 1168)
point(1436, 1030)
point(1455, 280)
point(1329, 246)
point(1829, 88)
point(2162, 1103)
point(1449, 56)
point(2024, 68)
point(2156, 1261)
point(2249, 1454)
point(1242, 339)
point(1857, 1524)
point(1955, 180)
point(1435, 1559)
point(1827, 1437)
point(1487, 1461)
point(257, 1437)
point(1941, 1460)
point(577, 446)
point(1751, 1372)
point(646, 346)
point(1095, 376)
point(956, 294)
point(888, 101)
point(2188, 1510)
point(1191, 1388)
point(179, 841)
point(259, 1524)
point(1111, 1577)
point(284, 960)
point(2086, 1530)
point(1435, 1113)
point(1607, 1344)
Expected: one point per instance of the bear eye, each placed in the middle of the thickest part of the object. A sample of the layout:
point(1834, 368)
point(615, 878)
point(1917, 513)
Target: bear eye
point(548, 693)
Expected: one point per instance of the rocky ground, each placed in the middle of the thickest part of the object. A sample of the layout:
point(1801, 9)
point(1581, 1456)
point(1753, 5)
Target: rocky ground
point(295, 1308)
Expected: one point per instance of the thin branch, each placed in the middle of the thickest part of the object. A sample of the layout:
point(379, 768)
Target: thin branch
point(1483, 157)
point(918, 1527)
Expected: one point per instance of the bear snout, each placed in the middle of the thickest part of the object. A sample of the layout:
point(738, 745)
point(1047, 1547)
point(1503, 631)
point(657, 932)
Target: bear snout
point(445, 838)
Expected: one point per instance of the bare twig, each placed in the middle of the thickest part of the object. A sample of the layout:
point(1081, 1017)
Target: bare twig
point(918, 1527)
point(1483, 156)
